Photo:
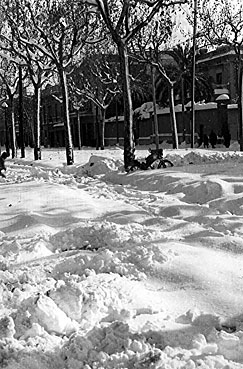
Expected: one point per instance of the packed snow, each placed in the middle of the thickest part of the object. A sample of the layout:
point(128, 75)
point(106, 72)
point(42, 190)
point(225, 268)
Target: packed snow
point(100, 269)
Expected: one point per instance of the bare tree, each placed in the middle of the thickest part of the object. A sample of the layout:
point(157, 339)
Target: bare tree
point(39, 70)
point(97, 80)
point(124, 20)
point(151, 44)
point(58, 31)
point(10, 79)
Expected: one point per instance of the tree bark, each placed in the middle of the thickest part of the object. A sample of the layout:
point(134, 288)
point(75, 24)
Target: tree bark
point(173, 117)
point(79, 129)
point(102, 128)
point(6, 132)
point(117, 124)
point(37, 133)
point(183, 107)
point(156, 126)
point(13, 131)
point(240, 106)
point(194, 44)
point(97, 126)
point(21, 115)
point(66, 118)
point(129, 145)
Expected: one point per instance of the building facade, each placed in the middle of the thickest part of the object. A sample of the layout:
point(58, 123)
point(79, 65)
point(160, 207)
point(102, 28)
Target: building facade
point(221, 66)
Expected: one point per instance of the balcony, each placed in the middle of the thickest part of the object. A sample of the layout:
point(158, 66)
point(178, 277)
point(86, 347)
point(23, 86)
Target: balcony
point(220, 89)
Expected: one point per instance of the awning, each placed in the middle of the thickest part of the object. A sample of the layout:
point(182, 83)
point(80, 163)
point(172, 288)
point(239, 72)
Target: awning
point(58, 125)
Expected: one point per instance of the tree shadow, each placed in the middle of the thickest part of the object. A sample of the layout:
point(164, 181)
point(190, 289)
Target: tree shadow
point(22, 220)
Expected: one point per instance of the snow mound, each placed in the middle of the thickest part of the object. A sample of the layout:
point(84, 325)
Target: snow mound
point(75, 304)
point(127, 250)
point(15, 249)
point(116, 346)
point(230, 345)
point(205, 157)
point(103, 234)
point(98, 165)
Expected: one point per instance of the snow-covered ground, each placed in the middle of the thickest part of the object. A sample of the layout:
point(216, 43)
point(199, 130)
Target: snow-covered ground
point(102, 269)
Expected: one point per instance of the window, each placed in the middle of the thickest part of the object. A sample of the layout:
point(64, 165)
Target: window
point(56, 113)
point(219, 78)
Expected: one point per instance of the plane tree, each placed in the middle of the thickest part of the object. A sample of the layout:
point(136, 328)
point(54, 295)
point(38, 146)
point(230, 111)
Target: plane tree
point(39, 72)
point(150, 47)
point(9, 77)
point(124, 20)
point(38, 67)
point(97, 79)
point(182, 71)
point(57, 30)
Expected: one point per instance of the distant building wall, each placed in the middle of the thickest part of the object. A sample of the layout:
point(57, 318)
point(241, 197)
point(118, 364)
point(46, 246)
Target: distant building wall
point(221, 66)
point(207, 117)
point(233, 121)
point(114, 132)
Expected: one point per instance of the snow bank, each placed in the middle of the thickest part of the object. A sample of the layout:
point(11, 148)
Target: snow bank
point(93, 294)
point(116, 346)
point(204, 157)
point(127, 250)
point(101, 165)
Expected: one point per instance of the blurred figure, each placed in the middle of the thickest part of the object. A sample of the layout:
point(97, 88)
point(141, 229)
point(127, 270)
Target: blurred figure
point(205, 141)
point(213, 139)
point(227, 138)
point(3, 157)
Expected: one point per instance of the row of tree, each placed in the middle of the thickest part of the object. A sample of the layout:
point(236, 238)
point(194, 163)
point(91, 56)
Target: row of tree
point(67, 42)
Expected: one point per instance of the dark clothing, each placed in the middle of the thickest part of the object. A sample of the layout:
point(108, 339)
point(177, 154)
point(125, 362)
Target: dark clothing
point(213, 139)
point(2, 166)
point(227, 138)
point(205, 140)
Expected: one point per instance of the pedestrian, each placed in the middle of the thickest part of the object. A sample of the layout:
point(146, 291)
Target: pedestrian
point(199, 140)
point(3, 157)
point(227, 138)
point(205, 141)
point(213, 139)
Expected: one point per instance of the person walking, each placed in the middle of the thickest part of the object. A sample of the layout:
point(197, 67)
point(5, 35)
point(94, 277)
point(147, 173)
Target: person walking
point(213, 139)
point(3, 157)
point(227, 138)
point(205, 141)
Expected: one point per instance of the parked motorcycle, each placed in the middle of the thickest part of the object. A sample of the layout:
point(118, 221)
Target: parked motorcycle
point(155, 160)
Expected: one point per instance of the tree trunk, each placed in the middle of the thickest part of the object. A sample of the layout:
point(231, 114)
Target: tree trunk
point(183, 107)
point(117, 124)
point(156, 126)
point(194, 44)
point(129, 146)
point(6, 131)
point(79, 129)
point(97, 127)
point(240, 106)
point(173, 117)
point(13, 131)
point(66, 118)
point(102, 128)
point(21, 115)
point(37, 133)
